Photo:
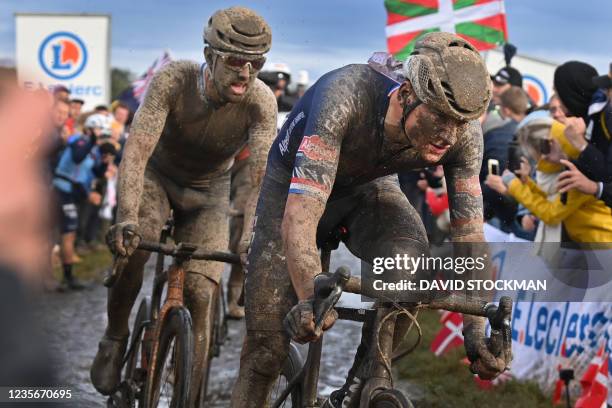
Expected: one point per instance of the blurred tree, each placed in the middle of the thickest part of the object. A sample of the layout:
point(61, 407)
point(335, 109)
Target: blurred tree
point(120, 80)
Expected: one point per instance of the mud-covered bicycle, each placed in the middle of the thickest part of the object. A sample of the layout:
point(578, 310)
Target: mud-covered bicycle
point(157, 366)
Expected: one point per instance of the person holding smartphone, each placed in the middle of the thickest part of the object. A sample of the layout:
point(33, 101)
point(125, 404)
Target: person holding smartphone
point(500, 210)
point(583, 218)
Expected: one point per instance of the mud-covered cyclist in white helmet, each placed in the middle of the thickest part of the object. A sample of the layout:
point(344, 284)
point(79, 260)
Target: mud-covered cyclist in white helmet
point(333, 164)
point(193, 121)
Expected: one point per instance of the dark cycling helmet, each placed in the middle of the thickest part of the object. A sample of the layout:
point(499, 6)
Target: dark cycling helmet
point(448, 74)
point(238, 29)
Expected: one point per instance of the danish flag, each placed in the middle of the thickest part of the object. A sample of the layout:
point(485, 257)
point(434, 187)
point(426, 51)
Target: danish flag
point(450, 335)
point(595, 383)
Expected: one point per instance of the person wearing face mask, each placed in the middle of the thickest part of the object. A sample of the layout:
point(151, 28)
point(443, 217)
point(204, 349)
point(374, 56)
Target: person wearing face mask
point(183, 140)
point(581, 216)
point(334, 164)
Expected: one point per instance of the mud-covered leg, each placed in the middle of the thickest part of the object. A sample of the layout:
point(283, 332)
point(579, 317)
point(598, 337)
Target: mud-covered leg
point(269, 295)
point(204, 224)
point(153, 212)
point(261, 361)
point(384, 225)
point(200, 300)
point(241, 188)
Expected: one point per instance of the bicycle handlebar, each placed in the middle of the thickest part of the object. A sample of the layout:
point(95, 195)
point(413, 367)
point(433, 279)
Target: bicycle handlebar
point(189, 251)
point(182, 250)
point(328, 289)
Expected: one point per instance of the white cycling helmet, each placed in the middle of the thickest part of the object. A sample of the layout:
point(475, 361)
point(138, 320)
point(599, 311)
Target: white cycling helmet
point(97, 120)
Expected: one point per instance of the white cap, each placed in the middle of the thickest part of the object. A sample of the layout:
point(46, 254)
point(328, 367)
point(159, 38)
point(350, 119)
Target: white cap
point(302, 77)
point(279, 67)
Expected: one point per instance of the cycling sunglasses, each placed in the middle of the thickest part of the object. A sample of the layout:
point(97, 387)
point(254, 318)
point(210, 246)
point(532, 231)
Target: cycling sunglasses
point(236, 63)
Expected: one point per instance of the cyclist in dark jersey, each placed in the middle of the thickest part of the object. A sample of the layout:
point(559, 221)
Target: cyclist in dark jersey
point(334, 163)
point(193, 121)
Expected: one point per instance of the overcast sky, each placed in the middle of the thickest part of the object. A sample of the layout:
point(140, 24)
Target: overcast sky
point(319, 35)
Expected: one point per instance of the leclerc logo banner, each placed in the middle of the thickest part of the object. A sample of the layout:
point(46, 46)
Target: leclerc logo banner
point(481, 22)
point(62, 55)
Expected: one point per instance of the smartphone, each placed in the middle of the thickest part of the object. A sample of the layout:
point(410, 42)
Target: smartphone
point(545, 146)
point(493, 165)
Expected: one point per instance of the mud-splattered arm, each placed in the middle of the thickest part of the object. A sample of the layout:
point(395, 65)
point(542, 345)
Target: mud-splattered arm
point(145, 131)
point(464, 193)
point(261, 136)
point(465, 202)
point(312, 180)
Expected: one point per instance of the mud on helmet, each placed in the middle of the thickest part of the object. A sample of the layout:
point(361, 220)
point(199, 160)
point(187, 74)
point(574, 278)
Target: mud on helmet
point(239, 30)
point(448, 75)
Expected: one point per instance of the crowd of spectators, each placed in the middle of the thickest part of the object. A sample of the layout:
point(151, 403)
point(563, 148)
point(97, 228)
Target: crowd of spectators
point(82, 173)
point(546, 174)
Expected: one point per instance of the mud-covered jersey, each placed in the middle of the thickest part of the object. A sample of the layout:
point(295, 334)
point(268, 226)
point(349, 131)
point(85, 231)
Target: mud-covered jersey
point(334, 139)
point(186, 137)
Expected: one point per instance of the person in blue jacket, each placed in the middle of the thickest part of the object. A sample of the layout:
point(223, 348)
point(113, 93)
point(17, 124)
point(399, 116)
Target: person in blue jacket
point(74, 174)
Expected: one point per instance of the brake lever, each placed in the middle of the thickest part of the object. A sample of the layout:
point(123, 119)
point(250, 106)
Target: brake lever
point(499, 317)
point(328, 289)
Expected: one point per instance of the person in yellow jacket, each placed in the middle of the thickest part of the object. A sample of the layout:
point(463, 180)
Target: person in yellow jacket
point(585, 218)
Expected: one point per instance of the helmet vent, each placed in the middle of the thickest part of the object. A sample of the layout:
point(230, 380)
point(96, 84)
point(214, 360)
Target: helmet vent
point(246, 34)
point(448, 91)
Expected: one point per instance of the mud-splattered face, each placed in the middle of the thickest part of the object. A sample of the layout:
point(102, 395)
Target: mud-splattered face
point(232, 74)
point(432, 133)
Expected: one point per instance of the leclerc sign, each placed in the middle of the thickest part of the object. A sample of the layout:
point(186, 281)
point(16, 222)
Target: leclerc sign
point(68, 50)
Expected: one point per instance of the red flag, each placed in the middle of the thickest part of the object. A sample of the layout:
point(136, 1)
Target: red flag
point(450, 335)
point(591, 372)
point(597, 396)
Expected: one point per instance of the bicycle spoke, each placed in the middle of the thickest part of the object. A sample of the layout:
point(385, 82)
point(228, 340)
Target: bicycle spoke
point(167, 378)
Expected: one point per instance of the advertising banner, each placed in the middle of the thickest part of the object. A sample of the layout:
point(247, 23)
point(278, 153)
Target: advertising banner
point(68, 50)
point(549, 335)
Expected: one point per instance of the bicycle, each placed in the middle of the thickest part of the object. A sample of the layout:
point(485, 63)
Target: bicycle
point(157, 365)
point(302, 388)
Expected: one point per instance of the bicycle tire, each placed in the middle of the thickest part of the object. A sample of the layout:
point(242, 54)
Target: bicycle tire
point(143, 317)
point(217, 314)
point(391, 398)
point(291, 367)
point(177, 328)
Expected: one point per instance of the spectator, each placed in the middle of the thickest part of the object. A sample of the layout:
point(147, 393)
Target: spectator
point(589, 125)
point(121, 114)
point(555, 108)
point(60, 92)
point(58, 136)
point(501, 210)
point(75, 111)
point(102, 110)
point(502, 81)
point(584, 218)
point(88, 237)
point(72, 183)
point(278, 76)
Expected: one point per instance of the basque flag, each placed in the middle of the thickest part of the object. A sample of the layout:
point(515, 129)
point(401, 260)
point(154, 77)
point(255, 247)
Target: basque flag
point(481, 22)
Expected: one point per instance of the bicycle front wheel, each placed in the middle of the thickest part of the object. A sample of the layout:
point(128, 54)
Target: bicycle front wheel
point(169, 385)
point(292, 366)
